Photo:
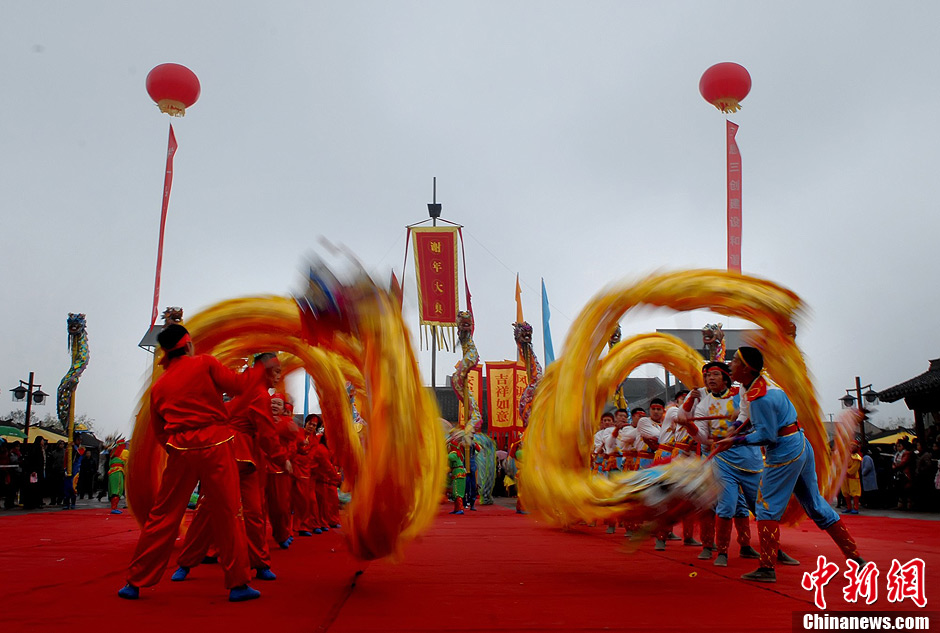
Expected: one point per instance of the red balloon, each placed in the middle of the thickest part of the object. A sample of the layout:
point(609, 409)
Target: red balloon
point(725, 85)
point(173, 87)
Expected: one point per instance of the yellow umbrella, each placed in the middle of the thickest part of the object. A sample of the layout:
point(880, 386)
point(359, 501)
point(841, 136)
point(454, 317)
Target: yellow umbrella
point(51, 437)
point(894, 437)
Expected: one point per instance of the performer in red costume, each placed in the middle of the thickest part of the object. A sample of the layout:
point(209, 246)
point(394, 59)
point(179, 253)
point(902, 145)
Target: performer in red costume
point(306, 509)
point(328, 479)
point(188, 418)
point(251, 422)
point(278, 482)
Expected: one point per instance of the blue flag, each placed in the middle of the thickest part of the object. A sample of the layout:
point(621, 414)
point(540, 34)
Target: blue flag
point(546, 330)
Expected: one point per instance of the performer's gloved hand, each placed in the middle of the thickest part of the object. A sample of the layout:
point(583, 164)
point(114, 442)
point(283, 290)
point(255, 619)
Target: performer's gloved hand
point(725, 444)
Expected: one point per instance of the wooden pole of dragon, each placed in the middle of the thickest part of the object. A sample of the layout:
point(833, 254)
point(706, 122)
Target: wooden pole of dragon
point(68, 449)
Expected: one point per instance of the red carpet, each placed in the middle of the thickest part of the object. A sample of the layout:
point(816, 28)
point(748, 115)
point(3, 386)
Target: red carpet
point(484, 571)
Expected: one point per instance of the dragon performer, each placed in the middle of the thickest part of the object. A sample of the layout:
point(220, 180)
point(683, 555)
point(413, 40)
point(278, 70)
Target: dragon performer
point(117, 450)
point(713, 342)
point(620, 400)
point(523, 335)
point(479, 449)
point(460, 379)
point(65, 396)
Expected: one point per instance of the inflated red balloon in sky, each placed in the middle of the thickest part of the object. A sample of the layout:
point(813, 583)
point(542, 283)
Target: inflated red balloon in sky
point(173, 87)
point(725, 85)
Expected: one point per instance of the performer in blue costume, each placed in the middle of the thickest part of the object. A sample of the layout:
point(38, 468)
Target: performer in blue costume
point(788, 464)
point(738, 468)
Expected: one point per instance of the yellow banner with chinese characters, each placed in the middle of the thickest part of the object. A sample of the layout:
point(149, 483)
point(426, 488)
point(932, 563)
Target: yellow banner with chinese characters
point(475, 387)
point(501, 396)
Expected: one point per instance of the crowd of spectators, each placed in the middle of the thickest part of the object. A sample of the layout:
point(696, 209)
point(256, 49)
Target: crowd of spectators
point(903, 476)
point(33, 475)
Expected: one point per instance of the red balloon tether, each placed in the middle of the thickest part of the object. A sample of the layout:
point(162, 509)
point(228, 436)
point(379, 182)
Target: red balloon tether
point(173, 87)
point(725, 85)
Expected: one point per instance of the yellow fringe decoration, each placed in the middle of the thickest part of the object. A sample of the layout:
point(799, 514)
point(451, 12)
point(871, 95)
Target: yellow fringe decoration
point(172, 107)
point(727, 105)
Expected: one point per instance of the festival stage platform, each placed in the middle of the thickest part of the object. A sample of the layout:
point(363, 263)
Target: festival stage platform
point(491, 570)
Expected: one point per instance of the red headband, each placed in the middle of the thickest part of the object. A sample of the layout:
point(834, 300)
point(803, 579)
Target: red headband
point(181, 343)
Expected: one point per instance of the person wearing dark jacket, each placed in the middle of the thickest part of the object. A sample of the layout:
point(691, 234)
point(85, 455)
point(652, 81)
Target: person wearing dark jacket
point(34, 474)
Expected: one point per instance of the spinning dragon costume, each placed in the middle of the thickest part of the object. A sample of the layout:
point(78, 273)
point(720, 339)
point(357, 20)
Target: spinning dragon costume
point(337, 331)
point(558, 485)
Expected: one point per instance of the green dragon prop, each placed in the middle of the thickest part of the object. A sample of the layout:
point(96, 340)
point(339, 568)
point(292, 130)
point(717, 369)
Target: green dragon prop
point(523, 335)
point(486, 468)
point(65, 396)
point(459, 382)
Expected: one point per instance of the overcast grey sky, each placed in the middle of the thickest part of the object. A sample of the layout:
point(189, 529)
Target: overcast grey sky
point(568, 137)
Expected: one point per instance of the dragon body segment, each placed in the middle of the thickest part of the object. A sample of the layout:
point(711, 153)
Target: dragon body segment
point(523, 335)
point(78, 344)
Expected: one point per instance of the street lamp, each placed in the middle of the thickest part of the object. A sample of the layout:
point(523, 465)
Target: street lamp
point(31, 394)
point(848, 401)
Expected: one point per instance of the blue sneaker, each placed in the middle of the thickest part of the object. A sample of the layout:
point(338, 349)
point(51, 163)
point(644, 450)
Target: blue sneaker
point(284, 544)
point(304, 533)
point(243, 593)
point(265, 574)
point(180, 574)
point(290, 539)
point(116, 512)
point(317, 531)
point(129, 592)
point(324, 529)
point(335, 525)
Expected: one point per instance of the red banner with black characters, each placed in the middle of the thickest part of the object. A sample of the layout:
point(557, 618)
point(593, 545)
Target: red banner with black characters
point(734, 200)
point(435, 251)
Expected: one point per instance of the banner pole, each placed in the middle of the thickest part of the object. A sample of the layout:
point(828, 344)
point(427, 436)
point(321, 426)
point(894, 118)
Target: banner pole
point(167, 185)
point(434, 327)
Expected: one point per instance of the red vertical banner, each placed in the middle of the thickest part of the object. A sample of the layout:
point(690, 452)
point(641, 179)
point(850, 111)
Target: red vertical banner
point(734, 200)
point(167, 185)
point(435, 251)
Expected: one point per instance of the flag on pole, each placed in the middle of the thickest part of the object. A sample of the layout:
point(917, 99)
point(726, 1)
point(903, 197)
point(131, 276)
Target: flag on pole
point(734, 199)
point(546, 330)
point(519, 317)
point(171, 148)
point(435, 253)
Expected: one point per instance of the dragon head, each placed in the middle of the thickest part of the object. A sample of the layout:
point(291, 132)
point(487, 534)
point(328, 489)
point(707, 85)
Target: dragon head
point(172, 314)
point(712, 334)
point(464, 324)
point(76, 323)
point(522, 333)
